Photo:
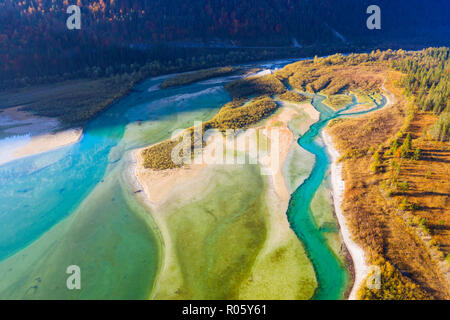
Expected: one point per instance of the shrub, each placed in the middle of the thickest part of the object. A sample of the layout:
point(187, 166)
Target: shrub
point(393, 286)
point(376, 163)
point(394, 146)
point(404, 205)
point(407, 143)
point(403, 186)
point(417, 154)
point(404, 152)
point(234, 115)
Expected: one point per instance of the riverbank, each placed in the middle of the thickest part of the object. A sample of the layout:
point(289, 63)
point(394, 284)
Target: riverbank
point(338, 187)
point(357, 254)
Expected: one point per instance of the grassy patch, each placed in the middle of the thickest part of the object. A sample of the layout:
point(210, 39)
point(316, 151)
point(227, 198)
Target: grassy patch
point(331, 77)
point(232, 117)
point(338, 101)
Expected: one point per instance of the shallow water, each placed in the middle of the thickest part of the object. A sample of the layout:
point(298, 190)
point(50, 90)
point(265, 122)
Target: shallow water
point(75, 205)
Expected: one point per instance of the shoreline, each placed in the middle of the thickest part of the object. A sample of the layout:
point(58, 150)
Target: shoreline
point(161, 229)
point(357, 254)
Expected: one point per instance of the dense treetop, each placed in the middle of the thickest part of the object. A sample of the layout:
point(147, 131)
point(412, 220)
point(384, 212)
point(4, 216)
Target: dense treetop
point(115, 34)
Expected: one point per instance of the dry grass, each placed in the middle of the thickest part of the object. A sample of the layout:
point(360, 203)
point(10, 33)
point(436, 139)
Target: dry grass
point(330, 80)
point(292, 96)
point(429, 183)
point(375, 219)
point(73, 102)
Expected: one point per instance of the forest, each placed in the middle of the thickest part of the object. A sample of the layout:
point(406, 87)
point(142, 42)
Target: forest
point(427, 81)
point(154, 37)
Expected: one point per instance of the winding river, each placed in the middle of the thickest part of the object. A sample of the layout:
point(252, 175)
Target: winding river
point(77, 206)
point(331, 274)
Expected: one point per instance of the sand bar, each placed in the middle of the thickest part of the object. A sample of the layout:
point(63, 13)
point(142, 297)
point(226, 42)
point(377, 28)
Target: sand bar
point(26, 134)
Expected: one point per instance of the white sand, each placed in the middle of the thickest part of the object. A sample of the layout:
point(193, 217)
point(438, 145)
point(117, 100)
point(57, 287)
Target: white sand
point(278, 195)
point(29, 135)
point(47, 142)
point(338, 187)
point(158, 184)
